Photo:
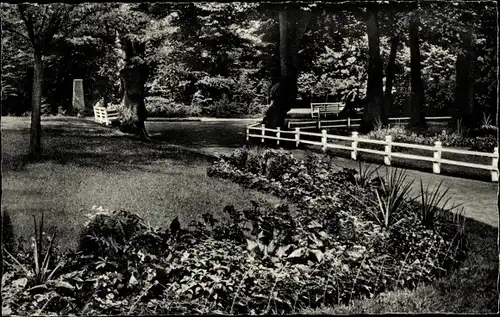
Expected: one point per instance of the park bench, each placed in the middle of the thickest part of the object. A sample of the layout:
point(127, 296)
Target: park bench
point(105, 115)
point(320, 108)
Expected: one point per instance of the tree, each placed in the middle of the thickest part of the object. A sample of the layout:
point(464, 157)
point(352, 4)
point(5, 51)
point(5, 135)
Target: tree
point(38, 25)
point(293, 22)
point(417, 101)
point(374, 102)
point(464, 89)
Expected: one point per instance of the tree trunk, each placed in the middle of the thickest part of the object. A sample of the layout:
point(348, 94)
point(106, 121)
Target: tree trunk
point(417, 115)
point(133, 78)
point(35, 151)
point(464, 87)
point(390, 74)
point(293, 23)
point(374, 102)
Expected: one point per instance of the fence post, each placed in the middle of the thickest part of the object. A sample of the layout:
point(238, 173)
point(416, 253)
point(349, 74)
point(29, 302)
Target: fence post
point(106, 116)
point(263, 132)
point(278, 135)
point(348, 122)
point(388, 148)
point(248, 136)
point(297, 137)
point(494, 162)
point(323, 140)
point(319, 122)
point(354, 145)
point(436, 166)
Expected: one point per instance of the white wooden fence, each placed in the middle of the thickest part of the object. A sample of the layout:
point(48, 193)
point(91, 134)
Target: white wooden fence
point(104, 115)
point(259, 131)
point(349, 122)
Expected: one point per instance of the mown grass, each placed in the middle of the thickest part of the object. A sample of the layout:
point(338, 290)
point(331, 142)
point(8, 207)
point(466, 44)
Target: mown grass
point(85, 165)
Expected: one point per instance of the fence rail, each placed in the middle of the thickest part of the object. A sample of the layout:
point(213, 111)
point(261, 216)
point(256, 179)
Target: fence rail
point(348, 122)
point(388, 152)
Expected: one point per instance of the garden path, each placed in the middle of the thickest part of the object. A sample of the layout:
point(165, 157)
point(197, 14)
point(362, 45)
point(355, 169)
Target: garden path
point(478, 198)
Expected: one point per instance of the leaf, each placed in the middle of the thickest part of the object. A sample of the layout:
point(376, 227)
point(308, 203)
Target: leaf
point(132, 281)
point(297, 253)
point(314, 224)
point(324, 235)
point(20, 282)
point(319, 255)
point(6, 311)
point(271, 247)
point(282, 251)
point(251, 244)
point(63, 284)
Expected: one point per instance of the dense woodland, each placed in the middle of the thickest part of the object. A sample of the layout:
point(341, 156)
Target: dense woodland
point(224, 59)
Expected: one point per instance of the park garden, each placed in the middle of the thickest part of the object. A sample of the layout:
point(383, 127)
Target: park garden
point(144, 218)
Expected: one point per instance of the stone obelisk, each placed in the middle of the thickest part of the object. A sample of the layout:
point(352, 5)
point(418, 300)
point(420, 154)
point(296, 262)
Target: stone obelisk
point(78, 106)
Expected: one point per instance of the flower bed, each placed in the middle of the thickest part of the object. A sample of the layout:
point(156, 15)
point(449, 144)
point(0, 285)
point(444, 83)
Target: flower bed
point(330, 249)
point(484, 141)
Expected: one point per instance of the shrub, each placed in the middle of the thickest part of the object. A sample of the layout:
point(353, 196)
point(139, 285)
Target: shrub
point(108, 233)
point(40, 266)
point(373, 253)
point(483, 142)
point(162, 107)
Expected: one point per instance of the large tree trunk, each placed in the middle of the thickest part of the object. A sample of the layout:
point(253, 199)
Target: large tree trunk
point(293, 23)
point(133, 77)
point(390, 74)
point(417, 115)
point(36, 100)
point(464, 87)
point(374, 102)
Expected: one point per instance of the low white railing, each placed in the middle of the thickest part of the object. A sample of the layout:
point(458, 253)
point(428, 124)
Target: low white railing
point(387, 153)
point(104, 115)
point(349, 123)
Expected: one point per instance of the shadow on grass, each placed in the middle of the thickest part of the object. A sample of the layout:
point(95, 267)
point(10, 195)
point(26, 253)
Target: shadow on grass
point(96, 149)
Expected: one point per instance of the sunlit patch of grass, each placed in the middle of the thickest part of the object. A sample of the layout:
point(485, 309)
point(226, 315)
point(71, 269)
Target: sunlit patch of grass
point(155, 180)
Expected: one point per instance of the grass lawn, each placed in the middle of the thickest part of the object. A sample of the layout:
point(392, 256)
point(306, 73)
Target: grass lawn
point(85, 164)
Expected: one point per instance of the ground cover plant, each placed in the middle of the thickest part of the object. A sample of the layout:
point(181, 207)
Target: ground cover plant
point(482, 139)
point(265, 259)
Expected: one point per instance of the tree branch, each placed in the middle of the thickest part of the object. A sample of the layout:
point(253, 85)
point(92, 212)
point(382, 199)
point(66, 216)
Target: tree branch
point(44, 19)
point(28, 23)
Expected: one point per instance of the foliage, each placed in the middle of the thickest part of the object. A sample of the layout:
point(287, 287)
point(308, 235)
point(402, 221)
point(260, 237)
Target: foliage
point(430, 203)
point(391, 198)
point(365, 174)
point(485, 141)
point(325, 248)
point(162, 107)
point(43, 266)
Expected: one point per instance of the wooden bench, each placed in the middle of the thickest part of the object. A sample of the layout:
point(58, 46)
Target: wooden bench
point(103, 115)
point(326, 107)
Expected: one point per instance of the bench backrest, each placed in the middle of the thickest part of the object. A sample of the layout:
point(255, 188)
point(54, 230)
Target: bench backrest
point(327, 106)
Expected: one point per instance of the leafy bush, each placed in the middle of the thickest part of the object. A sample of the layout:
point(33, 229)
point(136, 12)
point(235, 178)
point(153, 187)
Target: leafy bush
point(391, 196)
point(401, 134)
point(39, 266)
point(326, 205)
point(162, 107)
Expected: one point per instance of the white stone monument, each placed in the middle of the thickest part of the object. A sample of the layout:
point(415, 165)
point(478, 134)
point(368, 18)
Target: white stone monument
point(78, 105)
